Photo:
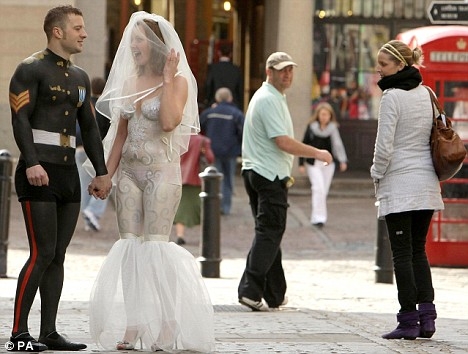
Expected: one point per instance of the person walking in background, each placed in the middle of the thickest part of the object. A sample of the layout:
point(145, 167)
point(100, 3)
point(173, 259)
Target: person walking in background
point(268, 149)
point(337, 102)
point(352, 102)
point(188, 213)
point(48, 94)
point(322, 132)
point(225, 74)
point(148, 289)
point(91, 208)
point(97, 86)
point(224, 124)
point(406, 185)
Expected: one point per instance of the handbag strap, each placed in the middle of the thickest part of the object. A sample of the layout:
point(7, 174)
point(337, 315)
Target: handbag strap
point(431, 94)
point(436, 102)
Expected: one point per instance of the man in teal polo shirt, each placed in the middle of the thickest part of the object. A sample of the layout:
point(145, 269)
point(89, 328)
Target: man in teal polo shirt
point(268, 150)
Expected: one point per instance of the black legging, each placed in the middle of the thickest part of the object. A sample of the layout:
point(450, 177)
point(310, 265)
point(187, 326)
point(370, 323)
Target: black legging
point(50, 227)
point(407, 232)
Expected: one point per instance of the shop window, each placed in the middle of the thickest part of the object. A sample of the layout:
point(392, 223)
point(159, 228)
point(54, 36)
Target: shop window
point(373, 8)
point(344, 67)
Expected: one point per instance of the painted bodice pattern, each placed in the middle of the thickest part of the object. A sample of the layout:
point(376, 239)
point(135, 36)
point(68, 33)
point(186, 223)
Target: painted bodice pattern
point(146, 142)
point(149, 148)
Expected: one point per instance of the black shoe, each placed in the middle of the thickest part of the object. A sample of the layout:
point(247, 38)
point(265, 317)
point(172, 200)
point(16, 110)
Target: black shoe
point(180, 241)
point(55, 341)
point(24, 342)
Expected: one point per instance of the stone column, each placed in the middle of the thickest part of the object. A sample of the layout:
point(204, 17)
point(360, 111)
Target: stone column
point(93, 57)
point(289, 28)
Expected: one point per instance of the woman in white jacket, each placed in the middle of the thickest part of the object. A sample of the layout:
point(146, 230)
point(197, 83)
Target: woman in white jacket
point(407, 187)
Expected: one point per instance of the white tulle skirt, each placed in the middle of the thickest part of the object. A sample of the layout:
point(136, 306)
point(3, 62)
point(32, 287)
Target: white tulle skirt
point(154, 291)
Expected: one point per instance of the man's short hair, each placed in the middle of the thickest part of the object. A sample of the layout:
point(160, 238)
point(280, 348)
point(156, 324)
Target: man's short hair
point(225, 50)
point(223, 94)
point(57, 17)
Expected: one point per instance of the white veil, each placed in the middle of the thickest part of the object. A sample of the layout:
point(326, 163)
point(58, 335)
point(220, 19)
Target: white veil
point(119, 94)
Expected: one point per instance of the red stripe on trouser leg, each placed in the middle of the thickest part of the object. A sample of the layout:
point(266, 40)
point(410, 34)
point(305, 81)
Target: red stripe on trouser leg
point(33, 258)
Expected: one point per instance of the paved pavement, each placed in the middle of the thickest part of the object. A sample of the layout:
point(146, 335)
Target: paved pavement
point(335, 304)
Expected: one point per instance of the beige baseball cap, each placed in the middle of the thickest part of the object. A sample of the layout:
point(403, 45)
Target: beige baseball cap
point(279, 60)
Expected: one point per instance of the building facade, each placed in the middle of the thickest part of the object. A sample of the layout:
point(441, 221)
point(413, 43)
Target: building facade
point(334, 42)
point(22, 35)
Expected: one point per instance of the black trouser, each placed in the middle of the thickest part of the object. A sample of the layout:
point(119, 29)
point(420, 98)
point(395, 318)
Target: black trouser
point(407, 232)
point(264, 276)
point(50, 215)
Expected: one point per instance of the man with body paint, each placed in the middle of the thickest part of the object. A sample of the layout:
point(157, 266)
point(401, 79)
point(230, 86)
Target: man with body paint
point(48, 94)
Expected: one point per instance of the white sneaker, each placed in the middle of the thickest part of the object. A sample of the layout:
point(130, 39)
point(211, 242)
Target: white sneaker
point(92, 220)
point(254, 305)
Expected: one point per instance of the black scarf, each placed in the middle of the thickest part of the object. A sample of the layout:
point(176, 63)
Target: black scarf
point(406, 79)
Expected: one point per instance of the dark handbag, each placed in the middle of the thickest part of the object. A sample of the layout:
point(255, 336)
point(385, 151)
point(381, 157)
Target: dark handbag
point(447, 149)
point(202, 160)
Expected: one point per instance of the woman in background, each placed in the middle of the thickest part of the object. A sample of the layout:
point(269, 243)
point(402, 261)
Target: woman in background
point(189, 212)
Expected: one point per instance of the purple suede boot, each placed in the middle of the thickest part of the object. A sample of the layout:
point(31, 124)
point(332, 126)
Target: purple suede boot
point(427, 316)
point(408, 326)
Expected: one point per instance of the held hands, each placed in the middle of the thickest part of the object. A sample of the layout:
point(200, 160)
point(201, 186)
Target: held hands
point(37, 176)
point(170, 68)
point(100, 187)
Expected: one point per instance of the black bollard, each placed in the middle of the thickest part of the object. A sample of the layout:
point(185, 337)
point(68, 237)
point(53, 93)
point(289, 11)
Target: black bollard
point(383, 259)
point(6, 167)
point(210, 222)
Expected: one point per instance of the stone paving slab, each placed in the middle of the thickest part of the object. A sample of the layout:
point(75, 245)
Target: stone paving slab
point(335, 318)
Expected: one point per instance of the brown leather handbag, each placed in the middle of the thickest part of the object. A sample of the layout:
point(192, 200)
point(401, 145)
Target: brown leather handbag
point(447, 149)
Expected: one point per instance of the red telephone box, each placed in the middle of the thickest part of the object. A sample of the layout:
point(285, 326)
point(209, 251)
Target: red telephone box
point(445, 50)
